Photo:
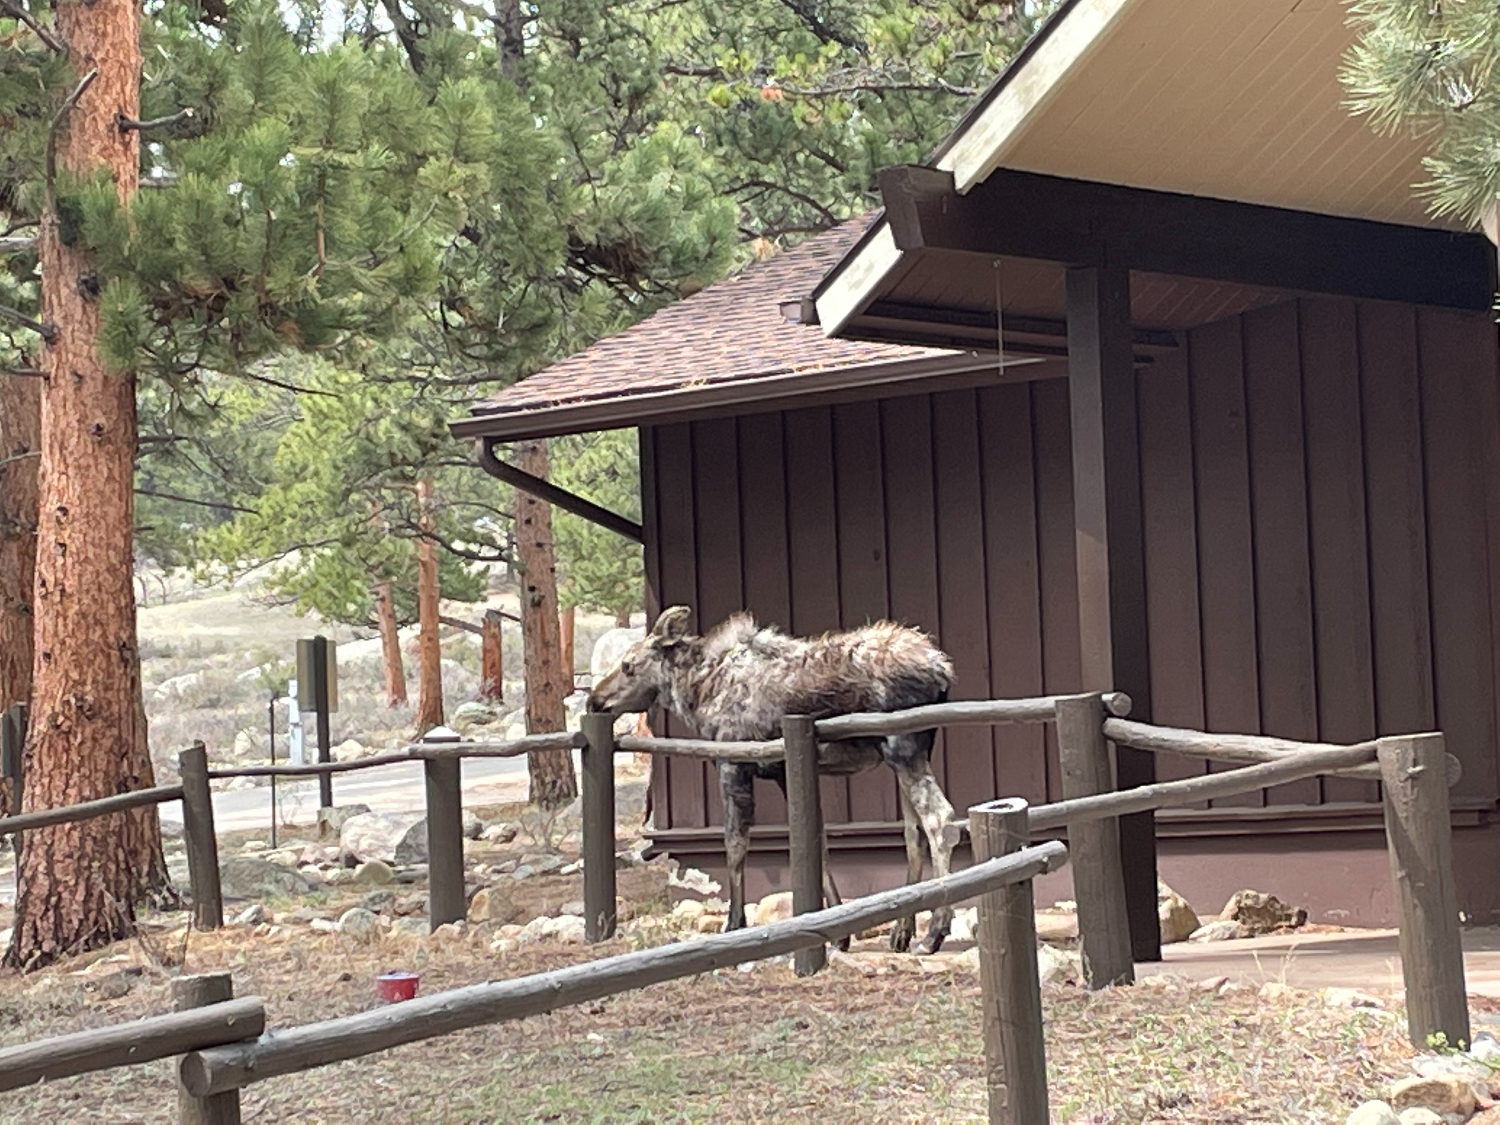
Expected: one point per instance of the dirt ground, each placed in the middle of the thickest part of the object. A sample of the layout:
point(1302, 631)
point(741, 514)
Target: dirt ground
point(874, 1039)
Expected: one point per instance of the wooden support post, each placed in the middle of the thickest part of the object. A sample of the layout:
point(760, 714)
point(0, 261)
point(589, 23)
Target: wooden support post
point(491, 657)
point(446, 901)
point(199, 992)
point(599, 909)
point(1011, 994)
point(1098, 881)
point(202, 843)
point(804, 815)
point(1111, 550)
point(321, 702)
point(1419, 838)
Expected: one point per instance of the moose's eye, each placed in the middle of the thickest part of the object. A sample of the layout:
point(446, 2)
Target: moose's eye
point(628, 667)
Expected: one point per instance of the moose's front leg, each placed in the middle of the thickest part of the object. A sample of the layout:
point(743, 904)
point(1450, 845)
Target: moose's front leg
point(737, 781)
point(935, 815)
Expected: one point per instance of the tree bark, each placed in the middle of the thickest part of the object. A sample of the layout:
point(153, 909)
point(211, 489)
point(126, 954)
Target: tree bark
point(491, 658)
point(78, 883)
point(553, 782)
point(622, 619)
point(429, 646)
point(390, 646)
point(20, 460)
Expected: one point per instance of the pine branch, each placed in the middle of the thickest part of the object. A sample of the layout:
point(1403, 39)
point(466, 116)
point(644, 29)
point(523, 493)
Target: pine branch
point(270, 382)
point(126, 124)
point(217, 504)
point(17, 245)
point(57, 119)
point(50, 38)
point(47, 332)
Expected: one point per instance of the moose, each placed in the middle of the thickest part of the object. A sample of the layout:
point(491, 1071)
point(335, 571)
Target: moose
point(735, 682)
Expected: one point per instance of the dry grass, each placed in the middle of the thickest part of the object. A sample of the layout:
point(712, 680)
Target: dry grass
point(757, 1046)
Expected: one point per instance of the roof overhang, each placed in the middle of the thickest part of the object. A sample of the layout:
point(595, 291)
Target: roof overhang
point(1237, 101)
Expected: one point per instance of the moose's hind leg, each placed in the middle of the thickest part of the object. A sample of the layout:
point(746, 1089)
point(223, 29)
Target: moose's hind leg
point(906, 928)
point(737, 781)
point(935, 815)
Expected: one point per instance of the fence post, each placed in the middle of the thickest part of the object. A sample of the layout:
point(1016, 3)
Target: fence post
point(599, 904)
point(446, 901)
point(1098, 878)
point(198, 834)
point(12, 757)
point(199, 992)
point(1414, 785)
point(804, 819)
point(1015, 1056)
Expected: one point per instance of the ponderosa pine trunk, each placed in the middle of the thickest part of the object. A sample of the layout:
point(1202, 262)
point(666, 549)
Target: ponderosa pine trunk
point(390, 645)
point(553, 782)
point(429, 645)
point(20, 460)
point(492, 658)
point(78, 883)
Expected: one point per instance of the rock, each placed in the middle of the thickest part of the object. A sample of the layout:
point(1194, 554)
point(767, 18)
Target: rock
point(1421, 1115)
point(542, 863)
point(1373, 1113)
point(1221, 929)
point(1056, 927)
point(1351, 998)
point(572, 868)
point(450, 931)
point(338, 876)
point(689, 910)
point(396, 838)
point(1443, 1095)
point(410, 904)
point(709, 924)
point(313, 875)
point(252, 915)
point(522, 873)
point(569, 930)
point(374, 873)
point(349, 750)
point(410, 926)
point(1261, 913)
point(773, 908)
point(331, 821)
point(473, 826)
point(1485, 1047)
point(574, 907)
point(175, 687)
point(378, 900)
point(499, 833)
point(609, 648)
point(506, 868)
point(284, 856)
point(1055, 966)
point(324, 925)
point(965, 924)
point(1275, 990)
point(491, 904)
point(470, 716)
point(243, 876)
point(503, 945)
point(5, 936)
point(254, 846)
point(1178, 920)
point(359, 924)
point(691, 879)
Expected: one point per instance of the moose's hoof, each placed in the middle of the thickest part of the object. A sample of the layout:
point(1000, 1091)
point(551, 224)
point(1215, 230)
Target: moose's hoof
point(930, 944)
point(902, 934)
point(842, 945)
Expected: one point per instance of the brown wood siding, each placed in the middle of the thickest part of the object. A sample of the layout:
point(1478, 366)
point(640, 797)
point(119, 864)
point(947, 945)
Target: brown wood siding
point(1306, 468)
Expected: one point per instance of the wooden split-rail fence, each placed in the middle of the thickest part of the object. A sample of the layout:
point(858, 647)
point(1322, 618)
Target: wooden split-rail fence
point(225, 1046)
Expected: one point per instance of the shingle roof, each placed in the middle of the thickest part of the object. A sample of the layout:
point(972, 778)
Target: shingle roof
point(731, 331)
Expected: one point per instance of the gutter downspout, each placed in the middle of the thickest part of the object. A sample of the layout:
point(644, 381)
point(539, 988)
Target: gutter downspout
point(557, 497)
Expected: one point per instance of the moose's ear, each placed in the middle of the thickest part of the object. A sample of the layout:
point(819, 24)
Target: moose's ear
point(672, 625)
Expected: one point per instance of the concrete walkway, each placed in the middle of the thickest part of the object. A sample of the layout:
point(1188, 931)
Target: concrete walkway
point(1363, 959)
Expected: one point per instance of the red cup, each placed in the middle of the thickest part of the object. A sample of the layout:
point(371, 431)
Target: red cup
point(396, 986)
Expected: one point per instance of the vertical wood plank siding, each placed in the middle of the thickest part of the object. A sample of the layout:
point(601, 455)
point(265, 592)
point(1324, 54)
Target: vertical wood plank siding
point(1321, 510)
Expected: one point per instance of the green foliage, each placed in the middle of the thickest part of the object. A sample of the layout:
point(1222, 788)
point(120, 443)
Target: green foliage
point(1430, 69)
point(597, 570)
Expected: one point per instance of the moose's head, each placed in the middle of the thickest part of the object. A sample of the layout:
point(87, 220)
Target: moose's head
point(645, 670)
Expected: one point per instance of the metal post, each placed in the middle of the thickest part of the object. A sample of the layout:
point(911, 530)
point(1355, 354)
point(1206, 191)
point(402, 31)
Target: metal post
point(804, 817)
point(1098, 880)
point(320, 698)
point(1419, 837)
point(446, 901)
point(271, 717)
point(198, 833)
point(599, 901)
point(1015, 1055)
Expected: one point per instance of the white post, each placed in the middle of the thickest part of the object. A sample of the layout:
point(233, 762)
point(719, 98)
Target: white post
point(293, 726)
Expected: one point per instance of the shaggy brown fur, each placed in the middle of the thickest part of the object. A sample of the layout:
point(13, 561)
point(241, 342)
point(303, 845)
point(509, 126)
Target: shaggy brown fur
point(738, 680)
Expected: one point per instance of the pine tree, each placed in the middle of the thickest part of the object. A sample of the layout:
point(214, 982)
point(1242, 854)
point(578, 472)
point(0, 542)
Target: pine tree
point(1429, 69)
point(20, 458)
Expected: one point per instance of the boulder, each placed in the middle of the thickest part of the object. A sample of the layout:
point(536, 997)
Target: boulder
point(349, 750)
point(1055, 966)
point(473, 826)
point(1443, 1095)
point(244, 876)
point(469, 717)
point(1261, 913)
point(1220, 929)
point(965, 924)
point(1373, 1113)
point(374, 873)
point(1178, 920)
point(252, 915)
point(378, 900)
point(492, 905)
point(1351, 998)
point(504, 945)
point(543, 863)
point(1421, 1115)
point(394, 838)
point(359, 924)
point(499, 833)
point(709, 924)
point(773, 908)
point(331, 821)
point(568, 930)
point(611, 645)
point(1058, 927)
point(413, 927)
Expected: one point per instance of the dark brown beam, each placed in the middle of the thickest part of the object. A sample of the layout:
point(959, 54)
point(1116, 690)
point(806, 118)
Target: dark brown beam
point(981, 321)
point(557, 497)
point(1111, 550)
point(1026, 215)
